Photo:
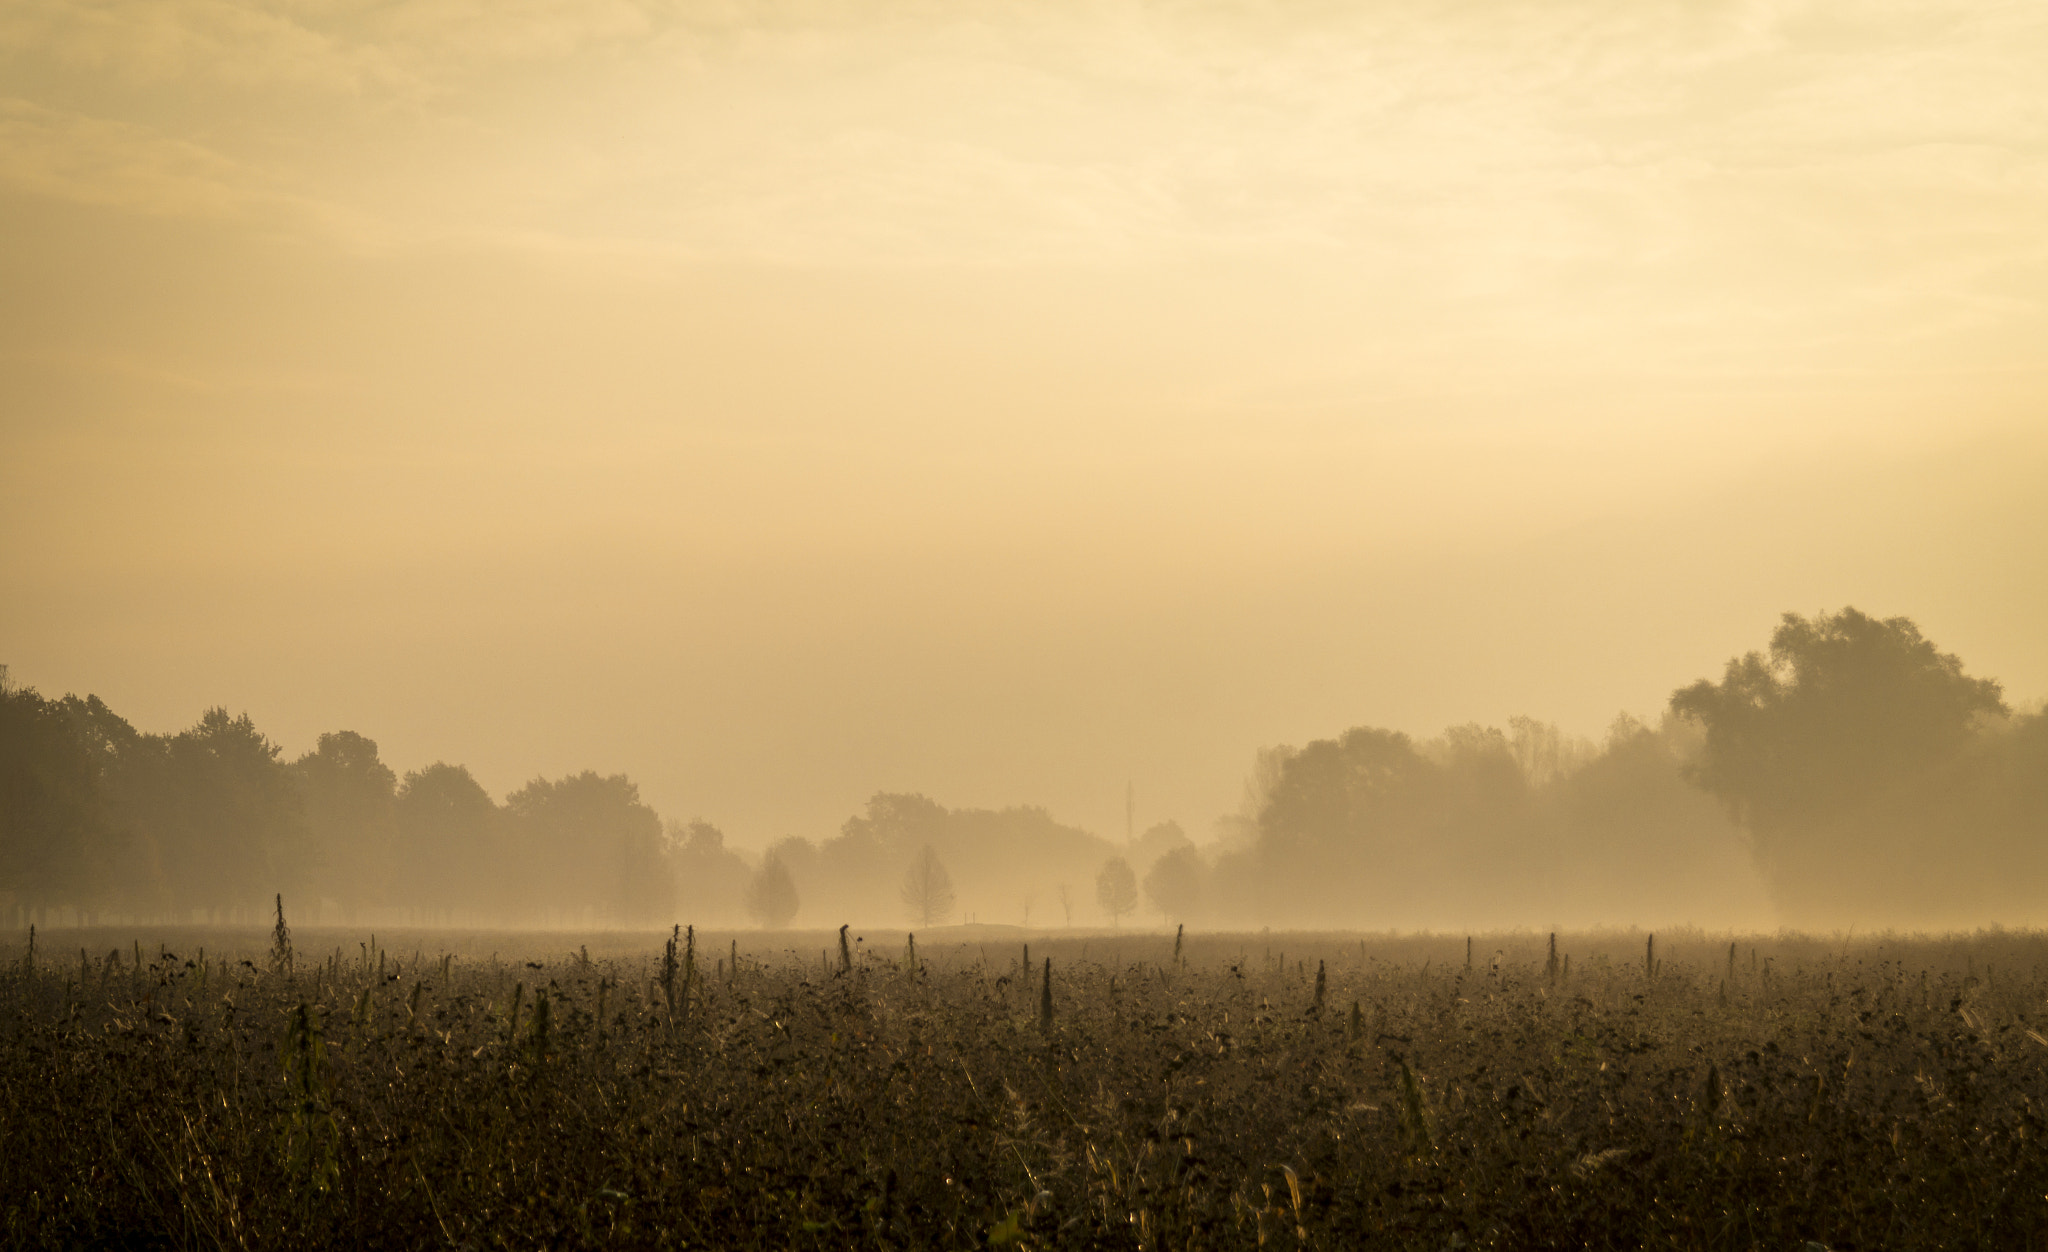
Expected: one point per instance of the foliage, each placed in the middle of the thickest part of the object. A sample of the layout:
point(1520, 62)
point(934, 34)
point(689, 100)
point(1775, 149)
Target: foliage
point(451, 835)
point(711, 879)
point(1174, 883)
point(1860, 758)
point(56, 833)
point(597, 843)
point(349, 796)
point(1481, 826)
point(1116, 888)
point(995, 859)
point(1843, 705)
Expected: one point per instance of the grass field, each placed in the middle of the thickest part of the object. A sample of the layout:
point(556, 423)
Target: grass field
point(187, 1089)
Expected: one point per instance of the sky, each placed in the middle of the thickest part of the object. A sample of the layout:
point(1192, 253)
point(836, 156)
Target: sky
point(1013, 402)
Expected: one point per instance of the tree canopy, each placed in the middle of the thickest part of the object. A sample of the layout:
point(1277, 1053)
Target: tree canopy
point(1854, 751)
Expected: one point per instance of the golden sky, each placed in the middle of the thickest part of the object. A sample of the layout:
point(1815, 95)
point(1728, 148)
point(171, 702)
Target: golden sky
point(784, 401)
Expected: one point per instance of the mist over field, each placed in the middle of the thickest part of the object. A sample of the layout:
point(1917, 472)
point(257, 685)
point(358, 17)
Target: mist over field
point(1850, 776)
point(1065, 624)
point(1119, 465)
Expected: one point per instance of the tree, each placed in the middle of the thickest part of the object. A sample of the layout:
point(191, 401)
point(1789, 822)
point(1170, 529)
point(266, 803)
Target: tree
point(1158, 840)
point(348, 794)
point(1832, 749)
point(55, 828)
point(449, 833)
point(599, 845)
point(1174, 883)
point(1116, 889)
point(896, 821)
point(711, 878)
point(232, 821)
point(1840, 705)
point(771, 894)
point(927, 890)
point(1367, 786)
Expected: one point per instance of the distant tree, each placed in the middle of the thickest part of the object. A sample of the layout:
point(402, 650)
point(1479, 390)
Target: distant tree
point(992, 856)
point(1841, 705)
point(1116, 889)
point(133, 781)
point(1174, 883)
point(348, 793)
point(896, 822)
point(596, 844)
point(771, 895)
point(449, 835)
point(1360, 788)
point(802, 858)
point(1157, 841)
point(1543, 752)
point(1066, 897)
point(232, 823)
point(710, 877)
point(56, 832)
point(927, 890)
point(1842, 750)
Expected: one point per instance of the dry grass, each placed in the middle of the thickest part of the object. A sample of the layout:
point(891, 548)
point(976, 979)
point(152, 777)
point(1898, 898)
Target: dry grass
point(1876, 1093)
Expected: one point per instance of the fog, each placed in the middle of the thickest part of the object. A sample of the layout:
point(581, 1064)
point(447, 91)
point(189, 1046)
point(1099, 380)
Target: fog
point(1036, 434)
point(1848, 775)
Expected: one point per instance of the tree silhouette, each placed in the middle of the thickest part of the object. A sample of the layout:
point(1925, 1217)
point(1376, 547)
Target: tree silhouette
point(1841, 704)
point(1839, 750)
point(449, 835)
point(771, 894)
point(232, 822)
point(1174, 883)
point(927, 890)
point(1116, 889)
point(711, 879)
point(55, 828)
point(349, 794)
point(596, 844)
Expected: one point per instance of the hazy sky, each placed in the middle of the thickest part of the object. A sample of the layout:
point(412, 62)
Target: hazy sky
point(784, 401)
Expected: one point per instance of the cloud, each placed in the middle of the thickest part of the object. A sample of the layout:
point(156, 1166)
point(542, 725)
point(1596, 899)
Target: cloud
point(199, 44)
point(114, 164)
point(1537, 171)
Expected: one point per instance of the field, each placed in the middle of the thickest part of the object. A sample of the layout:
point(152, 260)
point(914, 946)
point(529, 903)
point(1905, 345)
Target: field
point(192, 1089)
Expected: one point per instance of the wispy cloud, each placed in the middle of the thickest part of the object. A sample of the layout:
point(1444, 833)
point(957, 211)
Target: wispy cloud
point(990, 130)
point(1711, 186)
point(115, 164)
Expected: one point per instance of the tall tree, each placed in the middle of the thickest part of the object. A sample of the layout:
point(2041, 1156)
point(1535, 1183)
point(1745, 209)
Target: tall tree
point(710, 877)
point(234, 827)
point(449, 836)
point(1841, 705)
point(348, 796)
point(1366, 785)
point(1174, 883)
point(927, 890)
point(597, 844)
point(56, 833)
point(1830, 746)
point(1116, 889)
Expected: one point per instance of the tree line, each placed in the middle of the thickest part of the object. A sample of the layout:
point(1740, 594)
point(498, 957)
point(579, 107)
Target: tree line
point(207, 823)
point(1849, 773)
